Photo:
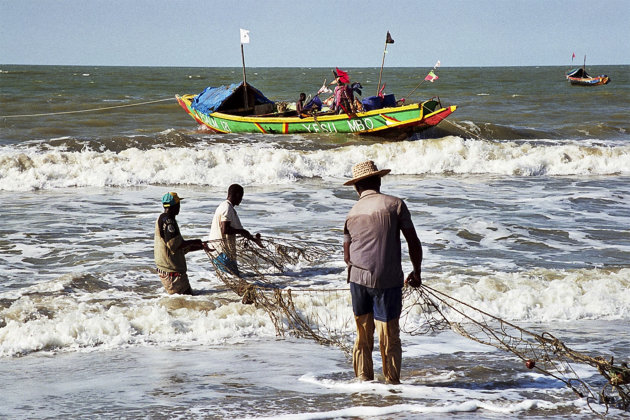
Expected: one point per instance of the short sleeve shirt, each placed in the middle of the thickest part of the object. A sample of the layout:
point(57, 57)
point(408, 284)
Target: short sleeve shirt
point(225, 213)
point(373, 228)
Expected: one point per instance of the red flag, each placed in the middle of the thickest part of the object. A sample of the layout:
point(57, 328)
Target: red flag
point(342, 76)
point(573, 57)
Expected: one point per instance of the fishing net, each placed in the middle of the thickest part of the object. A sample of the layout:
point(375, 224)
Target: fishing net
point(543, 352)
point(263, 277)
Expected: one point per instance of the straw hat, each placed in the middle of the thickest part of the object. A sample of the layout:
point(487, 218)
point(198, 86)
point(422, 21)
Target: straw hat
point(365, 170)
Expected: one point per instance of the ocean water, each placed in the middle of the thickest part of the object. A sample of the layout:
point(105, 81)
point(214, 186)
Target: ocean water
point(520, 199)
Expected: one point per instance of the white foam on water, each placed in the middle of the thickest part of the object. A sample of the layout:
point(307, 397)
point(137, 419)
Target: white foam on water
point(543, 295)
point(442, 399)
point(60, 315)
point(30, 168)
point(366, 412)
point(57, 316)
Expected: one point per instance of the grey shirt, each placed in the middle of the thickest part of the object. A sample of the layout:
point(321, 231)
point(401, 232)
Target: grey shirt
point(373, 230)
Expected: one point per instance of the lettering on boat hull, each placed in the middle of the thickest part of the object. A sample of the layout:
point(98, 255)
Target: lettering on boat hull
point(320, 128)
point(360, 125)
point(219, 125)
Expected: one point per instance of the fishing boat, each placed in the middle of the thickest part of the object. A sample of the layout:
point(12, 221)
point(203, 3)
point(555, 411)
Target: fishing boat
point(580, 77)
point(241, 108)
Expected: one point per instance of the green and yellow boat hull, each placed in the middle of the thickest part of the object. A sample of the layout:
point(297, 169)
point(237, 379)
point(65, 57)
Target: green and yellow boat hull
point(384, 121)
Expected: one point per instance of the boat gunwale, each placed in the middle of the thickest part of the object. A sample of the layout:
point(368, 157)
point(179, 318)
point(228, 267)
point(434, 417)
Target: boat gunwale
point(316, 118)
point(186, 101)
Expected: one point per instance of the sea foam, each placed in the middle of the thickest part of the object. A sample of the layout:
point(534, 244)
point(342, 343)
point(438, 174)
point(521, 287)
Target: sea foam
point(60, 315)
point(33, 168)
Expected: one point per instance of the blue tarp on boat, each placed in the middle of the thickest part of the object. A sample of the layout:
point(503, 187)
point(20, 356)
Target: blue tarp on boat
point(212, 98)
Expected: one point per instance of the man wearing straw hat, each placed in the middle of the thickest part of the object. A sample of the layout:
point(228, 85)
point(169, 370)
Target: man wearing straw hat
point(372, 251)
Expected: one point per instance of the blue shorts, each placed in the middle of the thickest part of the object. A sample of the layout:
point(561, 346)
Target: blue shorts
point(226, 264)
point(386, 304)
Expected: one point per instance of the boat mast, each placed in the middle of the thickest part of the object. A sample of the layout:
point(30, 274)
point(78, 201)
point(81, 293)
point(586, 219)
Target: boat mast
point(584, 67)
point(388, 40)
point(244, 40)
point(244, 77)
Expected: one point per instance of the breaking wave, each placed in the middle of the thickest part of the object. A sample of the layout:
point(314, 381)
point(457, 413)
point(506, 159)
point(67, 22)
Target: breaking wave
point(49, 165)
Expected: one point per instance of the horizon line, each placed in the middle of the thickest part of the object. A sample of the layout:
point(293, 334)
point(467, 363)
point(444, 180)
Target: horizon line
point(301, 67)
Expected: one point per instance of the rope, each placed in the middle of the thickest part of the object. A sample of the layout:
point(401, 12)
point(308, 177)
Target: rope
point(321, 315)
point(414, 89)
point(422, 81)
point(85, 110)
point(542, 352)
point(320, 290)
point(294, 240)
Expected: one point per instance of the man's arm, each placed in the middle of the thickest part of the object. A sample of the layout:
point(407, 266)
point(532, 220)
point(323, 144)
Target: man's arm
point(347, 240)
point(227, 229)
point(192, 245)
point(415, 254)
point(169, 231)
point(346, 258)
point(346, 253)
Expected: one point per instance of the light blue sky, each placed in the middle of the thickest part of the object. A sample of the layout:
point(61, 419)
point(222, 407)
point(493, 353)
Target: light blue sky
point(318, 33)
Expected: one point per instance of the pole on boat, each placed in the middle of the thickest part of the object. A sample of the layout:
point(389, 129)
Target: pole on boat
point(243, 58)
point(388, 40)
point(244, 40)
point(422, 81)
point(584, 66)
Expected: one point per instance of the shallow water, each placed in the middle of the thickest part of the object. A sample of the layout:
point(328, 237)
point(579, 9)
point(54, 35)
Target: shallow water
point(521, 213)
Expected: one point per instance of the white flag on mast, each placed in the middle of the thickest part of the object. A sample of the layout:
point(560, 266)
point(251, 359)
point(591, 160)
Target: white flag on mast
point(244, 36)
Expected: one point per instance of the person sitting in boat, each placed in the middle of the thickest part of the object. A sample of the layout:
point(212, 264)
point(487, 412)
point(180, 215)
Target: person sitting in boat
point(356, 103)
point(299, 105)
point(312, 107)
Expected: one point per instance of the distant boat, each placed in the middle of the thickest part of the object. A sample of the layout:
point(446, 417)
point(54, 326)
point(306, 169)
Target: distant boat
point(241, 108)
point(580, 77)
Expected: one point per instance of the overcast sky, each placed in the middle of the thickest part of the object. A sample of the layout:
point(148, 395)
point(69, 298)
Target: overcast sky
point(314, 33)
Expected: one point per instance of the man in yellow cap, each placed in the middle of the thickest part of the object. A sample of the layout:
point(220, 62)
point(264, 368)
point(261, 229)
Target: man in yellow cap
point(372, 251)
point(170, 248)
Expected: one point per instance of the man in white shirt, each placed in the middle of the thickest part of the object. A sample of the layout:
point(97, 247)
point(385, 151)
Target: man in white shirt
point(225, 226)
